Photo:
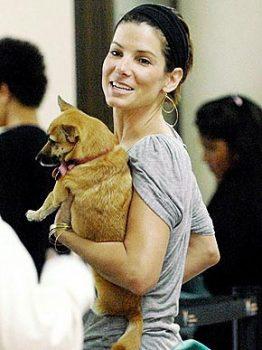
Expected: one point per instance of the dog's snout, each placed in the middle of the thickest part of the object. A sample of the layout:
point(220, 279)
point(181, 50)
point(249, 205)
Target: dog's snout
point(45, 160)
point(38, 157)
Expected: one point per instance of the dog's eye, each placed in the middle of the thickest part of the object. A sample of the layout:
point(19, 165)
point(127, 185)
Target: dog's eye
point(51, 141)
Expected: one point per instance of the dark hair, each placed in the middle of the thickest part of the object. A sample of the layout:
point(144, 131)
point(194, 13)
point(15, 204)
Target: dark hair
point(238, 121)
point(22, 68)
point(137, 17)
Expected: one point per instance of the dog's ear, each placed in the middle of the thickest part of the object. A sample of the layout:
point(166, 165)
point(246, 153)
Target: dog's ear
point(71, 133)
point(63, 104)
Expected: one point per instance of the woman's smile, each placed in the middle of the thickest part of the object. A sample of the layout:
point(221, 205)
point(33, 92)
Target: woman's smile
point(120, 88)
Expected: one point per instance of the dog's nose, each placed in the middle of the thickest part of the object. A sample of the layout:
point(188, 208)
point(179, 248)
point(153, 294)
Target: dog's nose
point(44, 160)
point(38, 157)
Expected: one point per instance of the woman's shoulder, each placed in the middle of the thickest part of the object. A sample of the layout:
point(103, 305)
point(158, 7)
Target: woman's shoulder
point(160, 157)
point(158, 146)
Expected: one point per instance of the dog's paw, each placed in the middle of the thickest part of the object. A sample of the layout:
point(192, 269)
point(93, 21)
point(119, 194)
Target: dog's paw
point(33, 215)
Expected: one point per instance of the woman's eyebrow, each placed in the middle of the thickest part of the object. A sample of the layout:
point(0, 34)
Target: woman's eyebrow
point(146, 52)
point(139, 51)
point(116, 43)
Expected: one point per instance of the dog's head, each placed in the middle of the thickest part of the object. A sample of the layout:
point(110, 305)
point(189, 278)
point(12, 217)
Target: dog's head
point(74, 135)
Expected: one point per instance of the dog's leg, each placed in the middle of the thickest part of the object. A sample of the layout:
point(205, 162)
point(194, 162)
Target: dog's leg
point(131, 339)
point(46, 209)
point(52, 203)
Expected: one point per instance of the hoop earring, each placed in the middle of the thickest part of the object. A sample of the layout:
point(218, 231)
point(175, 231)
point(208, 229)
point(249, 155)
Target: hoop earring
point(169, 100)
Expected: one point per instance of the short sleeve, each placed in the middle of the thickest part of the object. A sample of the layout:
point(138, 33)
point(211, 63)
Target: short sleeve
point(201, 222)
point(157, 176)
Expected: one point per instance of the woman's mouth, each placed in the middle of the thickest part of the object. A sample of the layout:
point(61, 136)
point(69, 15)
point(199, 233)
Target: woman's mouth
point(120, 86)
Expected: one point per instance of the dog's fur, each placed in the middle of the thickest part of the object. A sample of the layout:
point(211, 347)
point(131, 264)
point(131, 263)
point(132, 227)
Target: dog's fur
point(101, 187)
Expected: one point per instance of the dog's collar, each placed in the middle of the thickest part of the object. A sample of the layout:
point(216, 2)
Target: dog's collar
point(64, 167)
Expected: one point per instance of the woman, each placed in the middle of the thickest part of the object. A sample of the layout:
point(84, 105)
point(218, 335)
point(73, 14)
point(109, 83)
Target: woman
point(149, 57)
point(231, 132)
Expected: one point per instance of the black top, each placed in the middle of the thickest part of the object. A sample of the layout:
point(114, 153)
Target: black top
point(24, 184)
point(236, 212)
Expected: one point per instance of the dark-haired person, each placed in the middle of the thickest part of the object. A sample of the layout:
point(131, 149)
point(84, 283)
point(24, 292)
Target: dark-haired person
point(231, 133)
point(149, 57)
point(23, 182)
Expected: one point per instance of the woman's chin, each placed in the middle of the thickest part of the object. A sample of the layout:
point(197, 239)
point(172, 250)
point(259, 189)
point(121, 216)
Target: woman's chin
point(116, 104)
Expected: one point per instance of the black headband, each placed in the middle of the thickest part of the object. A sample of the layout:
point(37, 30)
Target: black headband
point(169, 23)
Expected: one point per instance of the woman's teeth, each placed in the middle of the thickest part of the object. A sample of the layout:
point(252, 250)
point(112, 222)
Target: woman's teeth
point(121, 87)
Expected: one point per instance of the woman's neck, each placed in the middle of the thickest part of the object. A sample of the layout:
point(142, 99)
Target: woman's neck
point(130, 126)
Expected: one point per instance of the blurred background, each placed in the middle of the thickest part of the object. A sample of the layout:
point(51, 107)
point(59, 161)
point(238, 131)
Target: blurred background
point(74, 37)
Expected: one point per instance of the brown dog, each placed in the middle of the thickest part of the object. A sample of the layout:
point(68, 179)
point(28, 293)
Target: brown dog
point(94, 169)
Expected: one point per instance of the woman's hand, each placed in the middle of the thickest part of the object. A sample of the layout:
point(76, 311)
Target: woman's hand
point(62, 219)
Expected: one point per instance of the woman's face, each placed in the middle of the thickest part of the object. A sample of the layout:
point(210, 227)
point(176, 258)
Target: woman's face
point(217, 156)
point(133, 73)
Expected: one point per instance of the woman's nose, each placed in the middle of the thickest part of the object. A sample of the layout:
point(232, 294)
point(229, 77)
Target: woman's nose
point(124, 66)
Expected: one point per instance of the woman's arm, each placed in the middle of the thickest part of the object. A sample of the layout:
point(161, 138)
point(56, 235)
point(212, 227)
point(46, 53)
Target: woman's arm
point(134, 264)
point(202, 253)
point(202, 250)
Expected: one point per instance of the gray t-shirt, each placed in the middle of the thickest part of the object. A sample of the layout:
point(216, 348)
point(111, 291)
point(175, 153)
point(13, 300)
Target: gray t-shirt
point(162, 176)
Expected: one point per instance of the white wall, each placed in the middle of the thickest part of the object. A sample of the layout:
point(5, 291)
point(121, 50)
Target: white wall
point(228, 59)
point(122, 6)
point(50, 25)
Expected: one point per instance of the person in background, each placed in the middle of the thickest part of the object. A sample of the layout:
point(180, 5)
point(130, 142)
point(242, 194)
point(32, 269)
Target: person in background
point(41, 315)
point(230, 129)
point(45, 315)
point(23, 182)
point(149, 57)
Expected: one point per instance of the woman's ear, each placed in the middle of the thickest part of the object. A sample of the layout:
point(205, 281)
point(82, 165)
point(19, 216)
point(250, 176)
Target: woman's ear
point(173, 79)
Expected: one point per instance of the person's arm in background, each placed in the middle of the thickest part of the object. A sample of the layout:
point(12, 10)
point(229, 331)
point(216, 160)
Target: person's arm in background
point(45, 315)
point(202, 250)
point(202, 253)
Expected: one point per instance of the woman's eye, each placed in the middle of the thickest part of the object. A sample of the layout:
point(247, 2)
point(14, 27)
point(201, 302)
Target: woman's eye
point(144, 61)
point(115, 53)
